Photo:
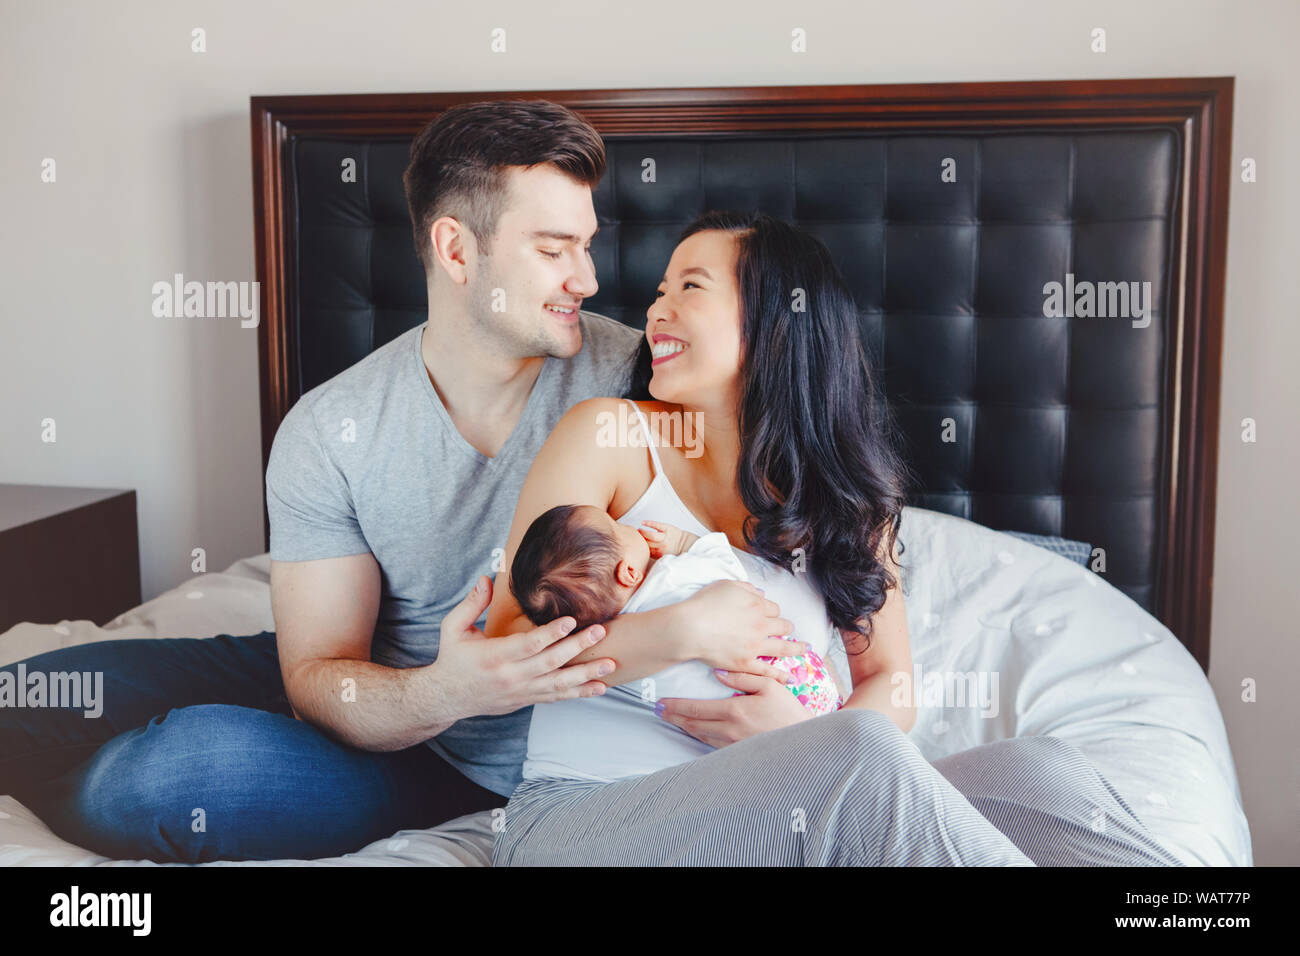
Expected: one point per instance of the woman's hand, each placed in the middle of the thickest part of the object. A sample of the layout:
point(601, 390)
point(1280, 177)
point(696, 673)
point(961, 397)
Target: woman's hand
point(729, 624)
point(766, 705)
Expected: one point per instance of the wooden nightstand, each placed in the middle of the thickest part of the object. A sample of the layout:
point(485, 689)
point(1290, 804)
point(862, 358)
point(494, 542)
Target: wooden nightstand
point(67, 554)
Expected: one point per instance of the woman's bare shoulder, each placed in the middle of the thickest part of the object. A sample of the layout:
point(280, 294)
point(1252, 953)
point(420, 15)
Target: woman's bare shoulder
point(602, 433)
point(585, 421)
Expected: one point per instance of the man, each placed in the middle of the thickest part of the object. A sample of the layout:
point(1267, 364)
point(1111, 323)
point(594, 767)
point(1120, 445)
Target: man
point(377, 705)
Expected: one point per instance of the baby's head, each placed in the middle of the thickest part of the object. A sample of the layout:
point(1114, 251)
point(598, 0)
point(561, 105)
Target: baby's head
point(577, 560)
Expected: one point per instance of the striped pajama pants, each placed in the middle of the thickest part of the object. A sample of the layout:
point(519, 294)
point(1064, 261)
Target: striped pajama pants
point(844, 789)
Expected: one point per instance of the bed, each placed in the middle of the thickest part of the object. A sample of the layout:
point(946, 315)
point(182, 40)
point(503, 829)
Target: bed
point(1099, 430)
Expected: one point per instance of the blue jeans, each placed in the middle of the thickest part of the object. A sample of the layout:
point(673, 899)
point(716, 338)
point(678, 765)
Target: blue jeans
point(197, 757)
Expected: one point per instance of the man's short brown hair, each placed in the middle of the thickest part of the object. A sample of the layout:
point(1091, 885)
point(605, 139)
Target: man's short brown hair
point(458, 162)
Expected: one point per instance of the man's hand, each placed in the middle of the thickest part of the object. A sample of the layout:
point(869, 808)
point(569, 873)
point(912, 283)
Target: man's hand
point(729, 624)
point(766, 705)
point(499, 675)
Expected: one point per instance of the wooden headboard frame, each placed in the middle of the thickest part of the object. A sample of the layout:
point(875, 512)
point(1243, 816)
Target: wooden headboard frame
point(1202, 106)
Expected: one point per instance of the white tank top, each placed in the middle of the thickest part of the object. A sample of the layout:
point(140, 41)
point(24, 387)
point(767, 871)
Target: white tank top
point(617, 734)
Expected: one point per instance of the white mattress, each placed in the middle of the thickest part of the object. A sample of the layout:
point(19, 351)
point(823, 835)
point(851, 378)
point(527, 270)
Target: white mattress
point(1073, 657)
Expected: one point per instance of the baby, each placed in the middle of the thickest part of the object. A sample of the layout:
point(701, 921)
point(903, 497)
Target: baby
point(576, 560)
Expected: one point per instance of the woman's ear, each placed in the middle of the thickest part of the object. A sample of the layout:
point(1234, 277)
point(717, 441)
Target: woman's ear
point(627, 574)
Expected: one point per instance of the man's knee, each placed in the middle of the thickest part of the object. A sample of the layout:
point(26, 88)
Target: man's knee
point(148, 793)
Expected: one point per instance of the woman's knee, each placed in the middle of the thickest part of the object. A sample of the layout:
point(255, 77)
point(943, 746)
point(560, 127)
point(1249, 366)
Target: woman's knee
point(867, 736)
point(1047, 795)
point(862, 751)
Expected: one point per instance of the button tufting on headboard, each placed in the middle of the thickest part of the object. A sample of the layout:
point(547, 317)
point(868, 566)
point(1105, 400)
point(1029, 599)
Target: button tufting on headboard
point(1011, 418)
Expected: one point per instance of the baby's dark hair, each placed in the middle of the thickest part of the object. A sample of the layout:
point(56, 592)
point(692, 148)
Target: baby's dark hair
point(564, 566)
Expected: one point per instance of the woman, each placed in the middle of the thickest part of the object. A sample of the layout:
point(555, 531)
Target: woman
point(754, 336)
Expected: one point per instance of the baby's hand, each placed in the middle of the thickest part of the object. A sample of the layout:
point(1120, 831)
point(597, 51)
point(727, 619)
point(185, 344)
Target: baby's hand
point(657, 537)
point(665, 539)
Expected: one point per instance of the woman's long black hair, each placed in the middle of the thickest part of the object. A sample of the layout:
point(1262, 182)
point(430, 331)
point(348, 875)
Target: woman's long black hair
point(819, 470)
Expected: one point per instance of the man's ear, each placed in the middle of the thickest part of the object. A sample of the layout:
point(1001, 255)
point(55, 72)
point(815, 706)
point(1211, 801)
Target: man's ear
point(450, 244)
point(627, 574)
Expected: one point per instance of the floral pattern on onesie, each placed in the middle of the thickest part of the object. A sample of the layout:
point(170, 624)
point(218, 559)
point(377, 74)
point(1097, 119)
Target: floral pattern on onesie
point(813, 685)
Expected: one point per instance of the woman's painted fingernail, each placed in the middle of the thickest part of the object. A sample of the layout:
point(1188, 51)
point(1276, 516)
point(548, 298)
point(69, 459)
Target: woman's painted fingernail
point(719, 670)
point(659, 708)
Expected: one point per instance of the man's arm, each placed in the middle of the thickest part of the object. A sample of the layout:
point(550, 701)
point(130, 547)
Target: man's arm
point(325, 599)
point(325, 613)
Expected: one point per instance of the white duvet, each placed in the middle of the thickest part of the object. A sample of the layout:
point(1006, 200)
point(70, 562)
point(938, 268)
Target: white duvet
point(1007, 640)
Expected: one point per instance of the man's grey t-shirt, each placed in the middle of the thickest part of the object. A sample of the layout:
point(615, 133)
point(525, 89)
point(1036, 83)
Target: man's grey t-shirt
point(371, 461)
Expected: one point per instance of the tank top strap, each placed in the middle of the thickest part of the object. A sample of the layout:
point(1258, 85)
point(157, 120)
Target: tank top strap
point(649, 437)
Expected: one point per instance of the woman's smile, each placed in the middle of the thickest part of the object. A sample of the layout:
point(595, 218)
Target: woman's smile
point(666, 347)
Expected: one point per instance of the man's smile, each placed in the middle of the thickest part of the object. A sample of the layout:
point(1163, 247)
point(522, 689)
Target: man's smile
point(565, 313)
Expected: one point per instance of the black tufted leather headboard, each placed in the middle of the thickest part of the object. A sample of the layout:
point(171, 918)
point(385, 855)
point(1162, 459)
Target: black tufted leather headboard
point(946, 217)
